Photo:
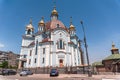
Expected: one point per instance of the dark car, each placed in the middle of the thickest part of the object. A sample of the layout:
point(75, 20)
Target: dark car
point(26, 72)
point(8, 72)
point(54, 72)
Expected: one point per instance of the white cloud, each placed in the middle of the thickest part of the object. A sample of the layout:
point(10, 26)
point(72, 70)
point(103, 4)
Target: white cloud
point(2, 45)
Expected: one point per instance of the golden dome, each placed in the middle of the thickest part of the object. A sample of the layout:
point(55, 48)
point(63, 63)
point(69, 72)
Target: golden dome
point(41, 23)
point(54, 12)
point(72, 27)
point(30, 26)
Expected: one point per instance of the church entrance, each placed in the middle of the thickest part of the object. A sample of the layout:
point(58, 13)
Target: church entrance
point(61, 63)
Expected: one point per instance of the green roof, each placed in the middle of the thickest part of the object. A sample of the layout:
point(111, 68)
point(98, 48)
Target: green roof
point(97, 64)
point(113, 56)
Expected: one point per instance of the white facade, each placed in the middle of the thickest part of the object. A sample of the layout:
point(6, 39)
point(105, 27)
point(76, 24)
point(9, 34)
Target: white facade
point(53, 45)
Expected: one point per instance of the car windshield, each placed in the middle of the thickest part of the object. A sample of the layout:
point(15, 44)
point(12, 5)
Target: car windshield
point(53, 70)
point(26, 70)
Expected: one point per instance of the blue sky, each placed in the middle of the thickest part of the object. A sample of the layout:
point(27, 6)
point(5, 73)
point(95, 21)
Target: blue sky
point(101, 20)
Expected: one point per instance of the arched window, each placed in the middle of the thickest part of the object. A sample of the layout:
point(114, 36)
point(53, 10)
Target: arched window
point(29, 31)
point(36, 47)
point(29, 61)
point(35, 60)
point(30, 52)
point(58, 26)
point(43, 60)
point(43, 50)
point(60, 44)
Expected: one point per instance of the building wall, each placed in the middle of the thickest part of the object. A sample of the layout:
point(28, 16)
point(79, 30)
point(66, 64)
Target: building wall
point(70, 54)
point(26, 41)
point(11, 57)
point(52, 54)
point(108, 66)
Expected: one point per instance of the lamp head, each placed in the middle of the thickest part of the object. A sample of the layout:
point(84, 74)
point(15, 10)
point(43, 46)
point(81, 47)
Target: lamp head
point(81, 22)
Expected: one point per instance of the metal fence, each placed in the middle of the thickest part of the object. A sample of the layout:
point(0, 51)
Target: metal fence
point(62, 70)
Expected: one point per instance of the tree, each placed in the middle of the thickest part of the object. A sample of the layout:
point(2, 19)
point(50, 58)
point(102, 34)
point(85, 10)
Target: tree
point(5, 64)
point(0, 65)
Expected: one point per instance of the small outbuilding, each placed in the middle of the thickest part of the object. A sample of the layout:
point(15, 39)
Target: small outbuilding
point(110, 63)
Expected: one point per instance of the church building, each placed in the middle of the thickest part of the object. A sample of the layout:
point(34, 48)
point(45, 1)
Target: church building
point(109, 64)
point(53, 45)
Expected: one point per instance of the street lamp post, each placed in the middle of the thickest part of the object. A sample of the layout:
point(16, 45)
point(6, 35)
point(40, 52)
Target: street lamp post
point(89, 70)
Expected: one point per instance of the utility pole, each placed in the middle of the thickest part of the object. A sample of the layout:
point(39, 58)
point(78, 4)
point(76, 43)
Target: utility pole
point(89, 70)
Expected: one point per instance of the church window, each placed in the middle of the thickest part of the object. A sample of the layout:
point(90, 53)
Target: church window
point(35, 60)
point(58, 26)
point(30, 52)
point(29, 61)
point(36, 47)
point(60, 34)
point(24, 56)
point(74, 49)
point(75, 63)
point(60, 44)
point(43, 50)
point(43, 60)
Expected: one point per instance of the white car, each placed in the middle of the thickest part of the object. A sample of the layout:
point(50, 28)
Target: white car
point(25, 73)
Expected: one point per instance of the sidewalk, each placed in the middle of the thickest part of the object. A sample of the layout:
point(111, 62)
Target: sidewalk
point(110, 77)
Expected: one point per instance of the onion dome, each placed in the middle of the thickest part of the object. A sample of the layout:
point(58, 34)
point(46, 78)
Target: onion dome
point(41, 23)
point(54, 12)
point(72, 27)
point(29, 26)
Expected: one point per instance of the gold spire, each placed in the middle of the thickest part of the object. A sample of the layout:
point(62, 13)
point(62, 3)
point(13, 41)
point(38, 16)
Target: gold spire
point(71, 25)
point(41, 23)
point(54, 12)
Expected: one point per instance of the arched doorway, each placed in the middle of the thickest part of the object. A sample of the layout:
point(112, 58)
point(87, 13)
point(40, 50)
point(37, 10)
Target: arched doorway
point(61, 63)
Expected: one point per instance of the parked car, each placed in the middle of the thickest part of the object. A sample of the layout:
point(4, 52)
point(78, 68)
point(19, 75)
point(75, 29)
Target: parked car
point(26, 72)
point(0, 72)
point(8, 72)
point(54, 72)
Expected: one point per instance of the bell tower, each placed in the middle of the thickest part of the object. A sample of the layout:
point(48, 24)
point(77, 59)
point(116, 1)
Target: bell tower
point(41, 25)
point(29, 28)
point(114, 50)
